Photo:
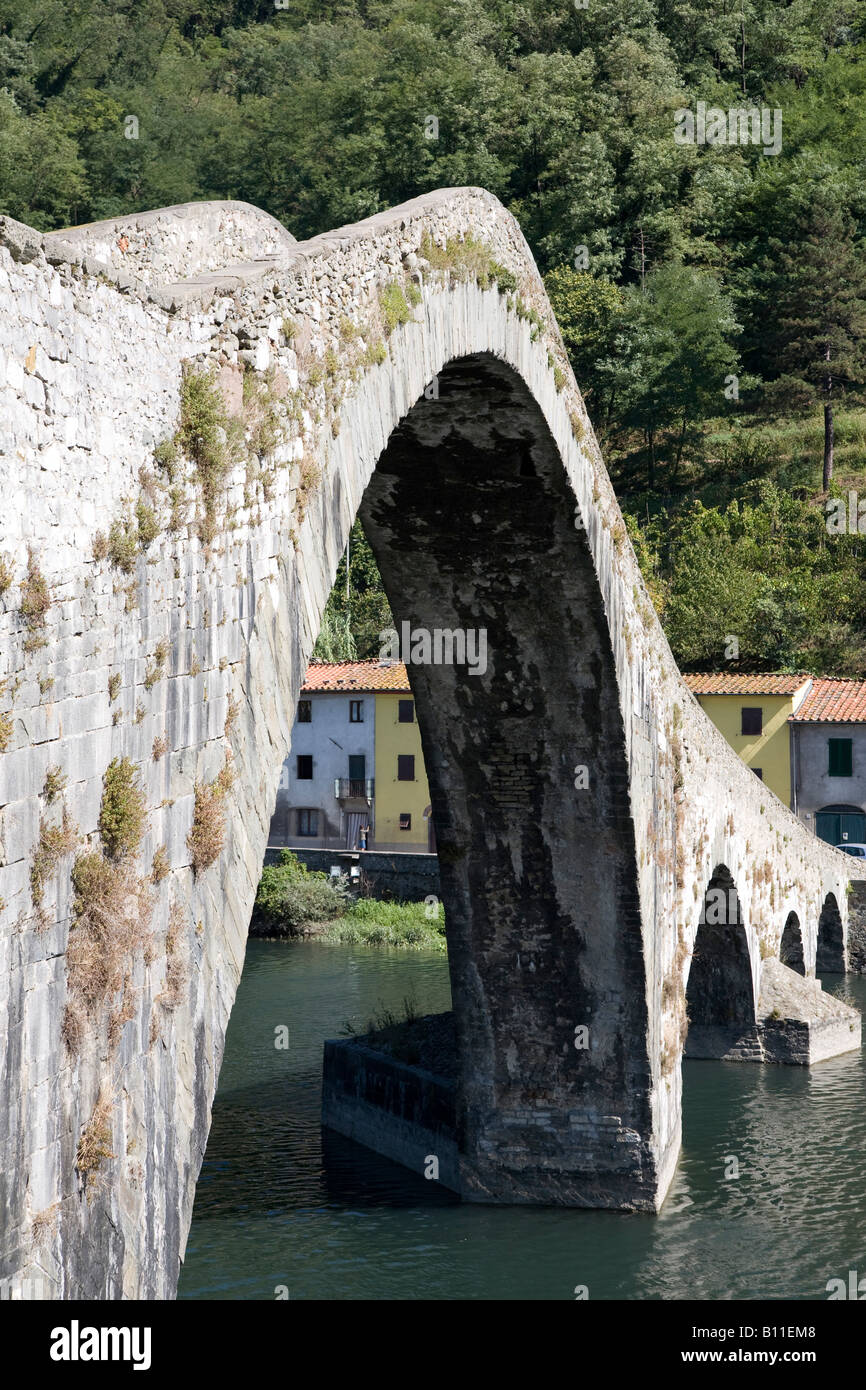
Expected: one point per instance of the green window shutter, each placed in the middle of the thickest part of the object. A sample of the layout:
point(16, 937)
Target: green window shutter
point(841, 754)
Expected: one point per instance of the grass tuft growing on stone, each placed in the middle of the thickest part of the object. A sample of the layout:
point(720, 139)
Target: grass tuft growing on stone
point(35, 603)
point(55, 842)
point(206, 839)
point(202, 436)
point(123, 811)
point(166, 457)
point(156, 672)
point(123, 546)
point(148, 523)
point(94, 1146)
point(161, 865)
point(55, 783)
point(111, 911)
point(395, 310)
point(5, 575)
point(310, 475)
point(176, 973)
point(233, 709)
point(375, 354)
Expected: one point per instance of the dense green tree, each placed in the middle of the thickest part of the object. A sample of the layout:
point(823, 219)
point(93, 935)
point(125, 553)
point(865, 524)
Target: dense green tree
point(329, 110)
point(589, 312)
point(357, 609)
point(815, 337)
point(765, 571)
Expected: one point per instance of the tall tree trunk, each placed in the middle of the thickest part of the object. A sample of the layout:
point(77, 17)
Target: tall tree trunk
point(650, 437)
point(681, 441)
point(743, 51)
point(828, 424)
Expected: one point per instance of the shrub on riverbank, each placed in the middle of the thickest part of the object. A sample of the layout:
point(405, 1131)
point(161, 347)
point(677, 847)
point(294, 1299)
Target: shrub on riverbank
point(290, 897)
point(293, 900)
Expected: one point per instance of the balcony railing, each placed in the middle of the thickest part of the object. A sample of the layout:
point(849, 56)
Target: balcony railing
point(347, 787)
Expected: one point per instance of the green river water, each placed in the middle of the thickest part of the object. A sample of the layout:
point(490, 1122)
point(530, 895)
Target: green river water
point(280, 1204)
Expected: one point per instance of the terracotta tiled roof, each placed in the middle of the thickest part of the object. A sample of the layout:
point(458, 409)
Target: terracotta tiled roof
point(355, 675)
point(731, 683)
point(833, 702)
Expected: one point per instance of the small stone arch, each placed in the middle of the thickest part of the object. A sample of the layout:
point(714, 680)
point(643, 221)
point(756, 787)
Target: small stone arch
point(720, 998)
point(830, 956)
point(791, 950)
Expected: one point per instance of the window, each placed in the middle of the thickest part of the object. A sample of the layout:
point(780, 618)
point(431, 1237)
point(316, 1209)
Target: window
point(759, 773)
point(308, 822)
point(752, 720)
point(406, 712)
point(305, 711)
point(406, 767)
point(356, 711)
point(841, 757)
point(305, 767)
point(405, 820)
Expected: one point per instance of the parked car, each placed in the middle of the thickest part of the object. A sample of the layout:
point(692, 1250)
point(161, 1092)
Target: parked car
point(856, 851)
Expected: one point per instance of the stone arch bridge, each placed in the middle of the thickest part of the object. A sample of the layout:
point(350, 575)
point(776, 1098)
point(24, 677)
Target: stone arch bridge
point(195, 408)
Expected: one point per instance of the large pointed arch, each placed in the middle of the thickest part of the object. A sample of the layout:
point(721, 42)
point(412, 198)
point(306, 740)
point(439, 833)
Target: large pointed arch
point(471, 517)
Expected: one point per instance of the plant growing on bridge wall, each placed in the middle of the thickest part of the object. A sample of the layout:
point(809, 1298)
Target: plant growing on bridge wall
point(233, 709)
point(123, 811)
point(206, 838)
point(5, 575)
point(55, 782)
point(147, 521)
point(156, 672)
point(202, 436)
point(7, 724)
point(261, 415)
point(111, 917)
point(55, 842)
point(309, 477)
point(463, 259)
point(166, 456)
point(374, 354)
point(35, 603)
point(122, 545)
point(395, 309)
point(176, 972)
point(94, 1146)
point(160, 866)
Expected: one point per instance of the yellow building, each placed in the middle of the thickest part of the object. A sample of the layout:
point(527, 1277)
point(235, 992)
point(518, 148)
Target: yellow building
point(753, 712)
point(402, 795)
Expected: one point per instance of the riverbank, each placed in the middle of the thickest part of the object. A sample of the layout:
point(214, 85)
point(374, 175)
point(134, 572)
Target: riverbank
point(369, 923)
point(294, 902)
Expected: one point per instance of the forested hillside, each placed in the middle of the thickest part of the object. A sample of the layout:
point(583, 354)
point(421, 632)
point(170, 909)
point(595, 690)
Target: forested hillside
point(712, 296)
